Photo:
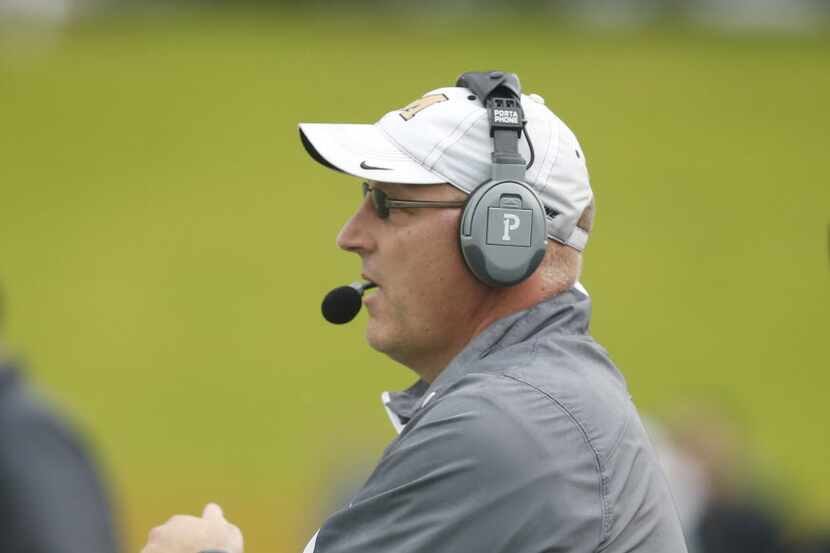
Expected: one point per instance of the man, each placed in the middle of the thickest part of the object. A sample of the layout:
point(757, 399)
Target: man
point(51, 497)
point(520, 435)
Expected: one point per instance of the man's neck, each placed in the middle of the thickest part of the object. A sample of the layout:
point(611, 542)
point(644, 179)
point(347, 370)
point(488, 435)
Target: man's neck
point(502, 303)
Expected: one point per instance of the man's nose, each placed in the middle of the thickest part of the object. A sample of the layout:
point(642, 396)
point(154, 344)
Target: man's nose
point(355, 236)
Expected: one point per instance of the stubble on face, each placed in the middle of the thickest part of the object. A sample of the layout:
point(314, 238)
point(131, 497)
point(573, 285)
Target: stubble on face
point(428, 303)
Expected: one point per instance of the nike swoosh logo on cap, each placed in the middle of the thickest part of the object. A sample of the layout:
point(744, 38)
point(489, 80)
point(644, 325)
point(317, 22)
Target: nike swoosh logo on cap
point(364, 165)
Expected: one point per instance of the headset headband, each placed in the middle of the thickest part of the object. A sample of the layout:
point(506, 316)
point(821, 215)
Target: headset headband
point(501, 94)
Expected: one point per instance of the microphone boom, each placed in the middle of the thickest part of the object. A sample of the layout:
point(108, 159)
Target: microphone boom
point(342, 304)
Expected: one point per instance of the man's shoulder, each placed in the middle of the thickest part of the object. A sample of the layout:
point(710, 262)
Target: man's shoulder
point(551, 386)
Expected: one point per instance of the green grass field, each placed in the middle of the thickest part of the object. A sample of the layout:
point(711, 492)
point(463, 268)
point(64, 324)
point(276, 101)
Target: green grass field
point(165, 242)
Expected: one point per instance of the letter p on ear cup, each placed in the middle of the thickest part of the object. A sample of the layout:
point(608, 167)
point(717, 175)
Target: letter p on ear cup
point(502, 232)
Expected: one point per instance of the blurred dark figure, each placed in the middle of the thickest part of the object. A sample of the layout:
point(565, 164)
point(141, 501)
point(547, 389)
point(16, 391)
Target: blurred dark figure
point(51, 496)
point(816, 544)
point(740, 524)
point(734, 515)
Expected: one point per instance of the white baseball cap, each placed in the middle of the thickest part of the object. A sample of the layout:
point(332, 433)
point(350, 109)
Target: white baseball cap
point(444, 137)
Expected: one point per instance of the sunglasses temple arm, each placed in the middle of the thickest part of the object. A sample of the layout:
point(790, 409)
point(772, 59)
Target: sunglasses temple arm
point(414, 203)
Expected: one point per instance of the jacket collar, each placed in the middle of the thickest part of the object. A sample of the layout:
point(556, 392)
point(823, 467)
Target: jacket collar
point(566, 313)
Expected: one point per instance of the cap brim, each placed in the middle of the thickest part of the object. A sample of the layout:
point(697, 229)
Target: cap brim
point(363, 151)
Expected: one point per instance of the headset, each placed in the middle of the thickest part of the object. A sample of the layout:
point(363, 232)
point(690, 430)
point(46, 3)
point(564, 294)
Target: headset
point(503, 230)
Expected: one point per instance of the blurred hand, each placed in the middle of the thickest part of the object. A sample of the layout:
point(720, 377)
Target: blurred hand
point(189, 534)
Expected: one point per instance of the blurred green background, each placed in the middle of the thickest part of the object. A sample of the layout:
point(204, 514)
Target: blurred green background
point(165, 242)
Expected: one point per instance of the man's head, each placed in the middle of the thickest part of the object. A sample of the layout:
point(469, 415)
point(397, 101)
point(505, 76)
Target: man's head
point(444, 137)
point(428, 304)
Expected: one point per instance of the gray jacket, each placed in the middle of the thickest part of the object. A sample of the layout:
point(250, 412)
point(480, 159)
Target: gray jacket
point(527, 442)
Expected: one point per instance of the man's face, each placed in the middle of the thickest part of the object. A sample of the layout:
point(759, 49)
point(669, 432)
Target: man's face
point(427, 302)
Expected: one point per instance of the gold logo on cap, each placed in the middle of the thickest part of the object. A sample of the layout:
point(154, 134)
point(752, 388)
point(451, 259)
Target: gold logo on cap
point(422, 103)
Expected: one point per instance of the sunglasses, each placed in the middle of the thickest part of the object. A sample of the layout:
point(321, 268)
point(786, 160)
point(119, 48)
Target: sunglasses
point(383, 203)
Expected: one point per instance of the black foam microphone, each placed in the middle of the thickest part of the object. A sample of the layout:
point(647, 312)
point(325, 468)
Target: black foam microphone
point(342, 304)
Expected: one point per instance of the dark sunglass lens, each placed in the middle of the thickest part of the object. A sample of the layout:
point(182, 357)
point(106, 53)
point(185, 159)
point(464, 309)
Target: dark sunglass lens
point(379, 200)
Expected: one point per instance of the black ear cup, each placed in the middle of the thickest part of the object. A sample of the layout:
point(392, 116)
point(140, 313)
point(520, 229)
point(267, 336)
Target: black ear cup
point(502, 232)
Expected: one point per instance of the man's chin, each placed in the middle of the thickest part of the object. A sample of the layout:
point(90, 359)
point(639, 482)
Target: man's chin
point(378, 336)
point(374, 335)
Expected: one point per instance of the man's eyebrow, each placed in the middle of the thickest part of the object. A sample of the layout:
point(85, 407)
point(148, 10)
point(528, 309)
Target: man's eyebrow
point(411, 192)
point(398, 192)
